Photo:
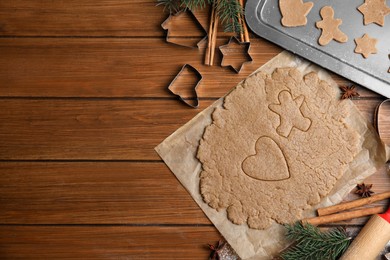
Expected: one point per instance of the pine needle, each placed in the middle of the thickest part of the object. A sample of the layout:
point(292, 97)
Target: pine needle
point(229, 12)
point(193, 4)
point(312, 244)
point(172, 6)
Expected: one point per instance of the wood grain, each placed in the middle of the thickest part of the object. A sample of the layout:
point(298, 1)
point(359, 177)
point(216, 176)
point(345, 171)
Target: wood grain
point(67, 129)
point(107, 193)
point(105, 242)
point(111, 67)
point(103, 18)
point(115, 67)
point(94, 193)
point(81, 18)
point(100, 129)
point(83, 102)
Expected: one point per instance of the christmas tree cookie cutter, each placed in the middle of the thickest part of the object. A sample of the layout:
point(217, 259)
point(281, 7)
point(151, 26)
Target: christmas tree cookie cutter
point(188, 21)
point(233, 51)
point(185, 84)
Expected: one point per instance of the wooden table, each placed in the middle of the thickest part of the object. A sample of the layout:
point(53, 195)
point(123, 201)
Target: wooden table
point(83, 104)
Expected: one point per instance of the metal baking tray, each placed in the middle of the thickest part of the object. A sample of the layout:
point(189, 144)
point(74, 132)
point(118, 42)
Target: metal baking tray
point(263, 17)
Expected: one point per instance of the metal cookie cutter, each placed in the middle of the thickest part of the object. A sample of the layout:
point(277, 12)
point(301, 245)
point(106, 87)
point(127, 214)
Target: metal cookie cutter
point(187, 21)
point(233, 52)
point(184, 85)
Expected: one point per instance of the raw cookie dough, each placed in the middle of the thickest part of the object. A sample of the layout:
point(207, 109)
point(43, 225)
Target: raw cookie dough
point(374, 11)
point(366, 45)
point(330, 27)
point(294, 12)
point(277, 145)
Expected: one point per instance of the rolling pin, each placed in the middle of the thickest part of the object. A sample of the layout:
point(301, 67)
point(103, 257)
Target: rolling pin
point(371, 240)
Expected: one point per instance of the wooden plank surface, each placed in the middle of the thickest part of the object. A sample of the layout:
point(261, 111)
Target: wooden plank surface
point(129, 193)
point(83, 102)
point(79, 129)
point(135, 67)
point(115, 67)
point(94, 193)
point(103, 18)
point(81, 18)
point(105, 242)
point(99, 129)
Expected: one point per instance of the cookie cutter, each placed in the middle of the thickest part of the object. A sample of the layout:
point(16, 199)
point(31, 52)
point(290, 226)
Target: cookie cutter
point(230, 48)
point(195, 73)
point(179, 16)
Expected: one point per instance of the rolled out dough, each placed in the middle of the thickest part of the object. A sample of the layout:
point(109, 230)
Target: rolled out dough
point(277, 146)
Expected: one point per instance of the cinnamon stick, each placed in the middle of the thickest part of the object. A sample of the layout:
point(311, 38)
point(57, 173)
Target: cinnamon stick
point(209, 37)
point(244, 27)
point(240, 20)
point(344, 216)
point(214, 39)
point(353, 204)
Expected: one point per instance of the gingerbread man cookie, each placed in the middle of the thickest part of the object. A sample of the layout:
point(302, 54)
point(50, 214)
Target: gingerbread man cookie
point(374, 11)
point(294, 12)
point(330, 27)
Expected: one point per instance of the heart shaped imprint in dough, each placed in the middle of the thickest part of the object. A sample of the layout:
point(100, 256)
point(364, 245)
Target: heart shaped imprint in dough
point(267, 153)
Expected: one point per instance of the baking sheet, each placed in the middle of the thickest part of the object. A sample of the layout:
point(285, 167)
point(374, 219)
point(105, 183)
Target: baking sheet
point(263, 17)
point(179, 153)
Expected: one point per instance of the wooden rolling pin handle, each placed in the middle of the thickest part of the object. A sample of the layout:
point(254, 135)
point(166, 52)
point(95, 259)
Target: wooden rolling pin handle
point(371, 239)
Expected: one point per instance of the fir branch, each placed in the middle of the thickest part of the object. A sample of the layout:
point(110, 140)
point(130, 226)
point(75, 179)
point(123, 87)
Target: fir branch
point(172, 6)
point(194, 4)
point(311, 243)
point(229, 12)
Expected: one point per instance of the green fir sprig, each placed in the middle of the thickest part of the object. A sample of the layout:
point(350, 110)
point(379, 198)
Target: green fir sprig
point(194, 4)
point(313, 244)
point(228, 11)
point(172, 6)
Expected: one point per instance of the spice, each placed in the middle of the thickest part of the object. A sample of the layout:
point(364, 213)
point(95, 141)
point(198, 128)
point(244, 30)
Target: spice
point(348, 92)
point(223, 251)
point(216, 249)
point(353, 204)
point(364, 190)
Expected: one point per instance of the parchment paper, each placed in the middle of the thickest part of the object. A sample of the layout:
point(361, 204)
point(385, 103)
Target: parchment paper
point(179, 153)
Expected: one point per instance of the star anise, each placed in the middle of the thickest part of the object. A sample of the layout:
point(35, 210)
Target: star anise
point(364, 190)
point(215, 250)
point(348, 92)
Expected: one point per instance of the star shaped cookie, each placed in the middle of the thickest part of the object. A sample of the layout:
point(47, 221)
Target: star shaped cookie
point(365, 45)
point(374, 11)
point(289, 111)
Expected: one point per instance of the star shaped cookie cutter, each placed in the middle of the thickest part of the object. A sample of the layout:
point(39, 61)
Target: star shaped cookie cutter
point(175, 20)
point(195, 73)
point(232, 48)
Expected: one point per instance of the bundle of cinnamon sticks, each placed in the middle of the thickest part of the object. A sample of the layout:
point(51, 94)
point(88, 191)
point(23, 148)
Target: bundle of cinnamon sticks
point(339, 212)
point(213, 30)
